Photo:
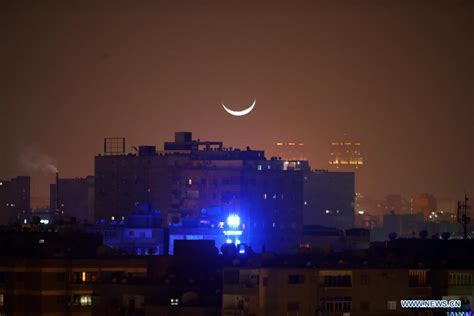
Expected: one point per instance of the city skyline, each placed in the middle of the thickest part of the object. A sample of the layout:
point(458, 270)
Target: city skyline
point(394, 78)
point(222, 157)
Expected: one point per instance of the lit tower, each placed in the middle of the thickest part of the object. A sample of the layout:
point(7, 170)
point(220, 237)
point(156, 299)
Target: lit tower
point(293, 151)
point(346, 155)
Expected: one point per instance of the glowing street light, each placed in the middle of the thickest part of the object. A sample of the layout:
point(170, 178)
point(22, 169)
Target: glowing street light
point(233, 221)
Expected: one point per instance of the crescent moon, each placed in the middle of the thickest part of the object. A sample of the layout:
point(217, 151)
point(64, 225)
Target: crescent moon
point(240, 113)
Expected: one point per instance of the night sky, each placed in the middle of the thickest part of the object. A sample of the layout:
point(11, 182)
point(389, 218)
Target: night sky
point(394, 75)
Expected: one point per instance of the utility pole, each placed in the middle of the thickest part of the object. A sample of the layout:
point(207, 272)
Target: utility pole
point(463, 214)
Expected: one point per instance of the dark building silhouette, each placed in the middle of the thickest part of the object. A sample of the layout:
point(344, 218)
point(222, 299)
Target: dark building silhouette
point(14, 198)
point(73, 198)
point(329, 199)
point(190, 177)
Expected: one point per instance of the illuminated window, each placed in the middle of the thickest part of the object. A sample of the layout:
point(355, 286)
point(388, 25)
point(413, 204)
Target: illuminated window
point(264, 196)
point(174, 301)
point(85, 300)
point(190, 181)
point(86, 277)
point(259, 167)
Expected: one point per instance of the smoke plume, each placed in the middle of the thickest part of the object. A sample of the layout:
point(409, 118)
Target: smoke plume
point(34, 160)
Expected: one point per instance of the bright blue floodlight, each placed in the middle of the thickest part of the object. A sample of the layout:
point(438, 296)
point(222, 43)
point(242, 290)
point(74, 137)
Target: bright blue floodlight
point(233, 221)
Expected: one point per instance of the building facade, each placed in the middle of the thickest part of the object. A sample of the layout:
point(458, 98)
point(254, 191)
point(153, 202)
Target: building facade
point(191, 179)
point(73, 198)
point(14, 198)
point(339, 291)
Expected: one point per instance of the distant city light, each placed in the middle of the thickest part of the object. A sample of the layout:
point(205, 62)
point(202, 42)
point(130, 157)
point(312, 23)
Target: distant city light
point(44, 221)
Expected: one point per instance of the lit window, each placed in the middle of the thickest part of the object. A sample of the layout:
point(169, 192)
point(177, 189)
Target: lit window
point(259, 167)
point(264, 196)
point(190, 181)
point(85, 300)
point(305, 203)
point(174, 301)
point(86, 277)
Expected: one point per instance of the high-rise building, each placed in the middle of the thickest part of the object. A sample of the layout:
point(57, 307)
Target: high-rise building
point(290, 150)
point(14, 198)
point(73, 198)
point(193, 179)
point(346, 155)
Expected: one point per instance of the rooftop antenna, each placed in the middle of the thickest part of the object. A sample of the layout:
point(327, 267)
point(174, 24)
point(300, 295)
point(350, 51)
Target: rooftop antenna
point(463, 212)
